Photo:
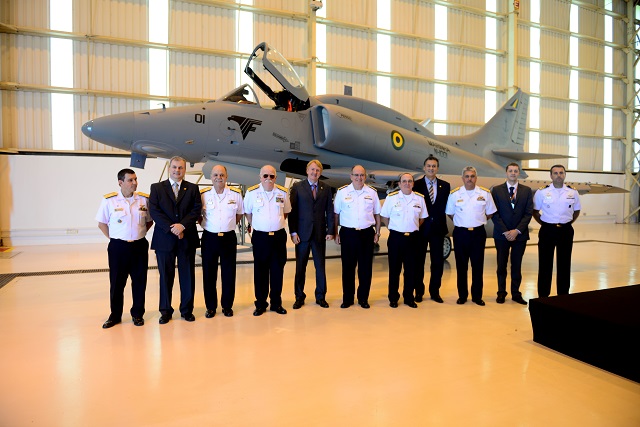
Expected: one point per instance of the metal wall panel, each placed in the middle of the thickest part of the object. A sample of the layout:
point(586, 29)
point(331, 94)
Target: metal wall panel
point(591, 55)
point(202, 26)
point(363, 84)
point(413, 17)
point(108, 67)
point(554, 47)
point(590, 120)
point(424, 102)
point(25, 59)
point(590, 88)
point(465, 66)
point(351, 48)
point(554, 116)
point(466, 28)
point(26, 120)
point(123, 19)
point(555, 13)
point(590, 153)
point(288, 36)
point(554, 81)
point(404, 57)
point(523, 41)
point(296, 6)
point(591, 23)
point(201, 76)
point(361, 12)
point(465, 104)
point(27, 13)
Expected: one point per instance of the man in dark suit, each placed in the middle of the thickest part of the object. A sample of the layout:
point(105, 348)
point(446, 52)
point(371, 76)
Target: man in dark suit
point(175, 207)
point(311, 224)
point(433, 229)
point(514, 202)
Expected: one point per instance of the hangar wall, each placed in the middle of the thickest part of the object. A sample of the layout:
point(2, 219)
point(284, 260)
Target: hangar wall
point(54, 199)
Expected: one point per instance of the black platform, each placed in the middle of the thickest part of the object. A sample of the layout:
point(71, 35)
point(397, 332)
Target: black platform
point(601, 328)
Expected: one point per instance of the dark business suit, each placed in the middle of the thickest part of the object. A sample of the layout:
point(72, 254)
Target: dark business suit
point(312, 219)
point(432, 233)
point(511, 217)
point(165, 211)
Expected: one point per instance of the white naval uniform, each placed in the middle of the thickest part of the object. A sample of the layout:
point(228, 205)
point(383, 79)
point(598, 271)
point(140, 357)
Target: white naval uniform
point(267, 209)
point(127, 219)
point(556, 205)
point(470, 208)
point(357, 207)
point(404, 211)
point(219, 210)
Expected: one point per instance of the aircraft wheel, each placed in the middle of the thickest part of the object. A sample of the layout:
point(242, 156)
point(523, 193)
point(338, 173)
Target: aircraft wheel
point(446, 247)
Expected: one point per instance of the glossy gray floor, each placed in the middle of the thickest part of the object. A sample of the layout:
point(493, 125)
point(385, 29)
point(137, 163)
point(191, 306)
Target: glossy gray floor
point(440, 364)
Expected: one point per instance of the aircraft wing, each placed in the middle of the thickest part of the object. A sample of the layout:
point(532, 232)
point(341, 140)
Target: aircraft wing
point(377, 178)
point(521, 155)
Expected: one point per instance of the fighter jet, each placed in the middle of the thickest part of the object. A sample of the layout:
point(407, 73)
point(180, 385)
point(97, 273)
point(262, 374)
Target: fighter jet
point(239, 132)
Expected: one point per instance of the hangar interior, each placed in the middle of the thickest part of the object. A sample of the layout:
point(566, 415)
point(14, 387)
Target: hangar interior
point(65, 62)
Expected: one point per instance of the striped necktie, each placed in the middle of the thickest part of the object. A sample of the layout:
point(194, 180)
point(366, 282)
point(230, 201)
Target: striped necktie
point(431, 192)
point(176, 190)
point(314, 190)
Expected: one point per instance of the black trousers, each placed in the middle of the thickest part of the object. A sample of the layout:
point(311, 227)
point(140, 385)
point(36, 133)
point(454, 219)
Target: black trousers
point(469, 245)
point(356, 251)
point(517, 248)
point(270, 257)
point(225, 249)
point(435, 241)
point(127, 259)
point(402, 253)
point(558, 238)
point(318, 248)
point(186, 274)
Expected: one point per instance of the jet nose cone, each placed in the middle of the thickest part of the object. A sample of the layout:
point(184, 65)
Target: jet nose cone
point(116, 131)
point(87, 128)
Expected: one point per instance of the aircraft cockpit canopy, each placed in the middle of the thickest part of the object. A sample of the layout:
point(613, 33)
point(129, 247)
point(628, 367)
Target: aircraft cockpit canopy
point(275, 76)
point(241, 95)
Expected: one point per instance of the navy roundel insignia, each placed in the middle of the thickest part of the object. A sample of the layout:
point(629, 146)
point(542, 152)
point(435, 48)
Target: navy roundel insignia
point(397, 140)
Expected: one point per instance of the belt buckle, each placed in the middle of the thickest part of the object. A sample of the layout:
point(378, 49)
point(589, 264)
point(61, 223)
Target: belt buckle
point(558, 225)
point(470, 228)
point(406, 234)
point(130, 241)
point(220, 234)
point(271, 233)
point(358, 229)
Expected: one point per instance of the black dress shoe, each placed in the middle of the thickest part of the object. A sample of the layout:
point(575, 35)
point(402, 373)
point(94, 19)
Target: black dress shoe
point(500, 299)
point(228, 312)
point(138, 321)
point(210, 313)
point(437, 299)
point(461, 301)
point(322, 303)
point(393, 304)
point(345, 305)
point(418, 298)
point(364, 304)
point(110, 323)
point(279, 310)
point(478, 301)
point(189, 317)
point(164, 319)
point(519, 300)
point(299, 303)
point(258, 311)
point(411, 304)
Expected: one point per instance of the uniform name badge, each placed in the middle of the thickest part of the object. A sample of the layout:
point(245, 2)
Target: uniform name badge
point(481, 199)
point(279, 199)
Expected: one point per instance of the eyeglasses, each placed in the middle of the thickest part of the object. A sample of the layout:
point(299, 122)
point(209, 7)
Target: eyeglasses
point(266, 175)
point(406, 181)
point(358, 175)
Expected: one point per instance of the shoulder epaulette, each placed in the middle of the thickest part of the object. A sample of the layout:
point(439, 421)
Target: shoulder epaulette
point(483, 188)
point(543, 187)
point(571, 187)
point(110, 195)
point(282, 188)
point(371, 187)
point(236, 189)
point(454, 190)
point(419, 194)
point(140, 193)
point(344, 186)
point(204, 190)
point(394, 193)
point(253, 187)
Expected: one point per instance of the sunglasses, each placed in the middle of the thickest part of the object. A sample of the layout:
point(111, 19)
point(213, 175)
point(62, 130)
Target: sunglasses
point(266, 175)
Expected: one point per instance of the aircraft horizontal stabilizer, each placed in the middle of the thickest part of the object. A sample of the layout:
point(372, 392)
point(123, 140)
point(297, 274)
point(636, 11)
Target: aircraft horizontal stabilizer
point(582, 187)
point(521, 155)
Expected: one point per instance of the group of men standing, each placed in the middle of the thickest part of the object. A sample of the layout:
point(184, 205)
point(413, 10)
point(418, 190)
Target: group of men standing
point(416, 220)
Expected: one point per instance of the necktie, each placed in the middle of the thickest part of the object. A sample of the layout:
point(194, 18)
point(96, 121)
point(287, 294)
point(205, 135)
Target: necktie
point(314, 190)
point(431, 191)
point(176, 190)
point(512, 195)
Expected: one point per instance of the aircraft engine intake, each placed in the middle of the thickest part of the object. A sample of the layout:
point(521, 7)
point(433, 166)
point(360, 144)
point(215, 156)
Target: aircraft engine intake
point(348, 132)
